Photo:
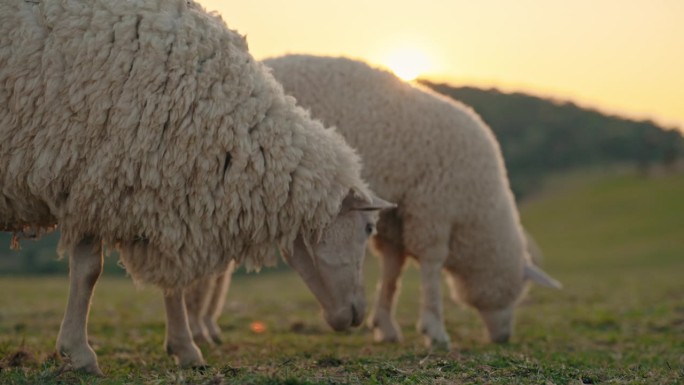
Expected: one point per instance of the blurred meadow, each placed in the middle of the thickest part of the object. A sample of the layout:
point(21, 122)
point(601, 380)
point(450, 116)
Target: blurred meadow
point(614, 240)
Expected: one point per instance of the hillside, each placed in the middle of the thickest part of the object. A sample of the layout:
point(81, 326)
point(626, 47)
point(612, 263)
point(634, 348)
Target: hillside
point(540, 137)
point(623, 222)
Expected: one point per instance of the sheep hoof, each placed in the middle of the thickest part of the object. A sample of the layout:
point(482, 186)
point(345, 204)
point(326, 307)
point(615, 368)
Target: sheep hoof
point(383, 336)
point(185, 355)
point(84, 361)
point(501, 339)
point(93, 370)
point(384, 328)
point(438, 344)
point(202, 369)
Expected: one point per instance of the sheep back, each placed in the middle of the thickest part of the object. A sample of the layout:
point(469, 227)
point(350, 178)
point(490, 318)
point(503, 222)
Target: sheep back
point(420, 147)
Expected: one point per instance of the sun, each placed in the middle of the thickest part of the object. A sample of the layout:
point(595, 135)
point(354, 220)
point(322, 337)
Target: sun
point(408, 63)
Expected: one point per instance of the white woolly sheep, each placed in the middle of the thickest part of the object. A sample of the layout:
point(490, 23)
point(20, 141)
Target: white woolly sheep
point(146, 127)
point(440, 162)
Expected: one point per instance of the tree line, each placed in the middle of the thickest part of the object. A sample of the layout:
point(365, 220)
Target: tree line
point(540, 136)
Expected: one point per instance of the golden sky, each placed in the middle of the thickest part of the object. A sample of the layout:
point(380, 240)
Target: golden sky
point(621, 56)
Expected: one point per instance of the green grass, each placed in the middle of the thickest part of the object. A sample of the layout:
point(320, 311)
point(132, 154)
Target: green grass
point(617, 245)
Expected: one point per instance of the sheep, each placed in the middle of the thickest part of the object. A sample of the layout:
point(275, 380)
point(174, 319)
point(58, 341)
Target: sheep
point(440, 162)
point(146, 127)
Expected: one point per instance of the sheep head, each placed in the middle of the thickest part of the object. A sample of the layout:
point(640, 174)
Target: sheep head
point(499, 321)
point(331, 265)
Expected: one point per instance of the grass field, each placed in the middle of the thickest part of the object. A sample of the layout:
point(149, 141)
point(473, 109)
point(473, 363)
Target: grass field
point(617, 244)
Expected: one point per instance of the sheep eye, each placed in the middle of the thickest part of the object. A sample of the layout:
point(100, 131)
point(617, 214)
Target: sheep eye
point(369, 229)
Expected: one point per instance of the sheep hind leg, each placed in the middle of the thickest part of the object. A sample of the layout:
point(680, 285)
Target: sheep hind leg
point(85, 267)
point(216, 302)
point(197, 298)
point(179, 342)
point(381, 320)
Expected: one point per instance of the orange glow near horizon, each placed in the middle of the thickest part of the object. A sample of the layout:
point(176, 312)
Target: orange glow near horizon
point(620, 57)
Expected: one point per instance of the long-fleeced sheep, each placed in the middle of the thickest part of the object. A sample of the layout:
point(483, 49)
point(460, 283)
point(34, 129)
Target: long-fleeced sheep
point(441, 163)
point(147, 127)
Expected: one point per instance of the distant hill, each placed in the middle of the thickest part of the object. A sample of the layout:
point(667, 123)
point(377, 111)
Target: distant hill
point(540, 137)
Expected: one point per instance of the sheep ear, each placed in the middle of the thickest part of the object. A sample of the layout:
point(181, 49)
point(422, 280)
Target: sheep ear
point(355, 200)
point(537, 275)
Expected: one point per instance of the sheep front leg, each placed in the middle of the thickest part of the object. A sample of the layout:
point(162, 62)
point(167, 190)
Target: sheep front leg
point(381, 320)
point(85, 267)
point(178, 338)
point(431, 322)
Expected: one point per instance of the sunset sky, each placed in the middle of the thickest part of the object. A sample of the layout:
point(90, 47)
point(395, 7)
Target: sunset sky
point(623, 57)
